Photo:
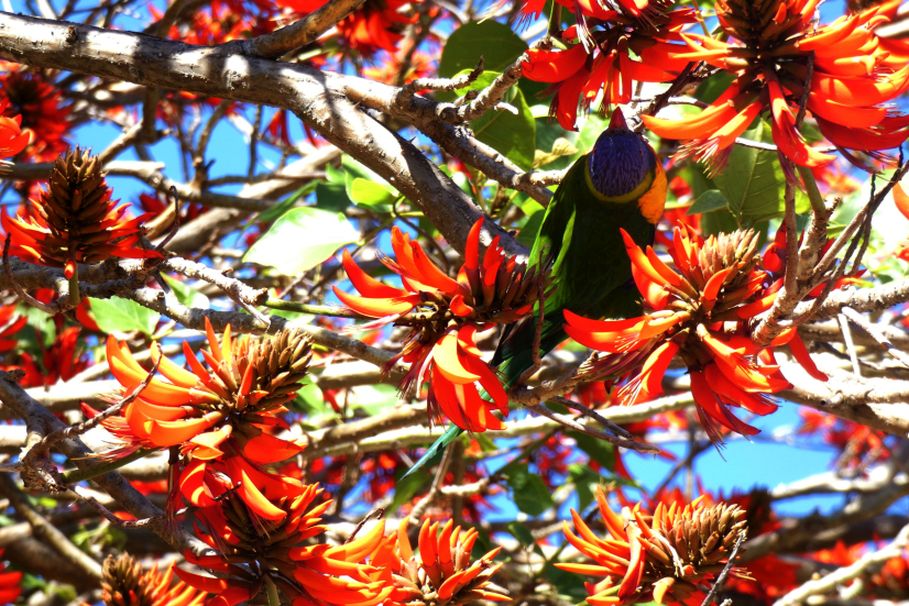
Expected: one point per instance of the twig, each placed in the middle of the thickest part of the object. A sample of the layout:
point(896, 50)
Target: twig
point(878, 335)
point(48, 309)
point(71, 431)
point(850, 346)
point(830, 581)
point(298, 34)
point(721, 578)
point(44, 529)
point(435, 489)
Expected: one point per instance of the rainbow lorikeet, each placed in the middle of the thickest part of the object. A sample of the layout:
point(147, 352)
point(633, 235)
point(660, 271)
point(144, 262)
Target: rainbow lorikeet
point(620, 183)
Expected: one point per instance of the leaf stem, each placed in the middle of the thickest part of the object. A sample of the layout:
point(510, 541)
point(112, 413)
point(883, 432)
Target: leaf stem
point(814, 194)
point(87, 473)
point(307, 308)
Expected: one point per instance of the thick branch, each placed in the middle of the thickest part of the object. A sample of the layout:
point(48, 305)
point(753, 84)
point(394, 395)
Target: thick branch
point(219, 72)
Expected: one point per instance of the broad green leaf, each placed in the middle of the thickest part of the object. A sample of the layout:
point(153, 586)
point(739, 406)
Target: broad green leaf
point(708, 201)
point(495, 42)
point(521, 533)
point(39, 327)
point(714, 86)
point(530, 228)
point(374, 399)
point(301, 239)
point(514, 135)
point(583, 478)
point(332, 197)
point(370, 194)
point(187, 295)
point(310, 400)
point(598, 450)
point(511, 134)
point(590, 130)
point(530, 493)
point(279, 209)
point(567, 584)
point(560, 151)
point(750, 180)
point(123, 315)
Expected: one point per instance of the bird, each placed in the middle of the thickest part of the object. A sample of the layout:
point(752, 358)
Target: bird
point(619, 184)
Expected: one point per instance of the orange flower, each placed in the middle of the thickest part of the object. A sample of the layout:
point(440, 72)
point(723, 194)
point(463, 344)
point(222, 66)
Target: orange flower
point(221, 21)
point(608, 50)
point(376, 25)
point(699, 311)
point(892, 580)
point(222, 417)
point(12, 139)
point(442, 572)
point(252, 556)
point(444, 314)
point(780, 60)
point(27, 98)
point(75, 221)
point(124, 583)
point(10, 324)
point(674, 552)
point(62, 360)
point(10, 587)
point(859, 446)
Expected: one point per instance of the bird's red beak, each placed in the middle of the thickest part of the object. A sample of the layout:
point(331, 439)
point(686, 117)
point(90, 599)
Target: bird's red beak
point(618, 119)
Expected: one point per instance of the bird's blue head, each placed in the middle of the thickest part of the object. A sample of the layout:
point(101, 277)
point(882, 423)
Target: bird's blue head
point(623, 167)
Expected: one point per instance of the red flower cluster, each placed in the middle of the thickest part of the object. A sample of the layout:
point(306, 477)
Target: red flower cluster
point(858, 445)
point(12, 139)
point(673, 552)
point(608, 50)
point(75, 220)
point(223, 417)
point(375, 25)
point(700, 311)
point(27, 98)
point(221, 21)
point(124, 583)
point(441, 572)
point(10, 587)
point(253, 557)
point(780, 60)
point(444, 315)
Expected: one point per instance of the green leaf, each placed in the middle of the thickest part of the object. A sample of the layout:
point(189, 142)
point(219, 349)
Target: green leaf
point(530, 493)
point(373, 399)
point(583, 478)
point(495, 42)
point(709, 201)
point(123, 315)
point(521, 533)
point(566, 583)
point(714, 86)
point(39, 327)
point(301, 239)
point(332, 197)
point(512, 134)
point(530, 228)
point(598, 450)
point(187, 295)
point(267, 216)
point(309, 399)
point(750, 181)
point(370, 194)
